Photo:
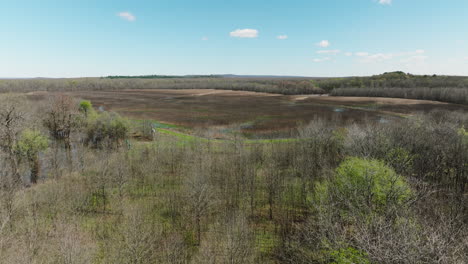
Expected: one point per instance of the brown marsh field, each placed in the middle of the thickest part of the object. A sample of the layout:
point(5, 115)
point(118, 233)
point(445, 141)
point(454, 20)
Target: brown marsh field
point(252, 114)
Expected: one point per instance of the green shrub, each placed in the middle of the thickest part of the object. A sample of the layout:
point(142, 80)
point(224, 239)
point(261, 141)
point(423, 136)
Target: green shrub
point(363, 186)
point(31, 143)
point(106, 130)
point(86, 107)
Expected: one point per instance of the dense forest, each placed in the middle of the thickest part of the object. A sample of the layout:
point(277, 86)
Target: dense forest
point(302, 86)
point(76, 188)
point(451, 89)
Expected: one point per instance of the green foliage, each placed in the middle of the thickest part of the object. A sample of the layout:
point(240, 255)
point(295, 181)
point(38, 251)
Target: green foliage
point(85, 107)
point(106, 130)
point(31, 143)
point(463, 132)
point(363, 185)
point(348, 256)
point(400, 159)
point(339, 135)
point(95, 202)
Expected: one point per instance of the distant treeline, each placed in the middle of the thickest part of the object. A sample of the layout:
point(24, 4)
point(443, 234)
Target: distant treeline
point(450, 95)
point(162, 76)
point(452, 89)
point(395, 80)
point(266, 85)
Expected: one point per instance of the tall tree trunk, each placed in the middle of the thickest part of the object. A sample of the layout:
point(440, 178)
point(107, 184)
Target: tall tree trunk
point(35, 167)
point(198, 230)
point(14, 168)
point(68, 149)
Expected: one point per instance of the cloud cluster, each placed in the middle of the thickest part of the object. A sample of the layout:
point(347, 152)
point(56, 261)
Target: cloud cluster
point(366, 57)
point(324, 44)
point(282, 37)
point(322, 59)
point(362, 54)
point(412, 56)
point(244, 33)
point(333, 52)
point(127, 16)
point(385, 2)
point(416, 58)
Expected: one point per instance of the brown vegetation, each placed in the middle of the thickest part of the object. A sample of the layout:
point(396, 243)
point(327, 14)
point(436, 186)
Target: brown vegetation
point(368, 192)
point(251, 114)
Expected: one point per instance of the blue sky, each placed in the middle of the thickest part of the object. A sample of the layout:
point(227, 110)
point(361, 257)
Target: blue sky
point(75, 38)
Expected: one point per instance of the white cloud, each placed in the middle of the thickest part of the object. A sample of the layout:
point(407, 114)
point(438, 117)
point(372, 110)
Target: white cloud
point(282, 37)
point(204, 38)
point(377, 57)
point(321, 59)
point(324, 44)
point(244, 33)
point(334, 52)
point(417, 58)
point(362, 54)
point(381, 56)
point(409, 53)
point(385, 2)
point(127, 16)
point(367, 57)
point(348, 54)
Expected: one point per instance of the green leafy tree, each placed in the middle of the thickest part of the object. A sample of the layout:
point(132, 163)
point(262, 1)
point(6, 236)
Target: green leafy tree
point(30, 144)
point(86, 107)
point(363, 186)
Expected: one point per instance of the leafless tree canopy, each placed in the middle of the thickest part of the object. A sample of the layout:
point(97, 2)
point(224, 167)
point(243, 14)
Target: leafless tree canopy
point(370, 193)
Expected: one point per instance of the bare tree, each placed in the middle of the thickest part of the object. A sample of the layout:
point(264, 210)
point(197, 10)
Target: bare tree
point(12, 119)
point(231, 242)
point(137, 239)
point(62, 118)
point(200, 200)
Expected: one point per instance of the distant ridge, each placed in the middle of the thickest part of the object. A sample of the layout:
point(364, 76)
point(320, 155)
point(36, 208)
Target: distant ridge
point(233, 76)
point(263, 76)
point(29, 78)
point(386, 75)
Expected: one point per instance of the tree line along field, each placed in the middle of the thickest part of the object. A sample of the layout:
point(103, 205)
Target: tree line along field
point(452, 89)
point(344, 187)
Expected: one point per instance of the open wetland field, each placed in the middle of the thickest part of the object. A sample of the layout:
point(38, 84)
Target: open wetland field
point(251, 114)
